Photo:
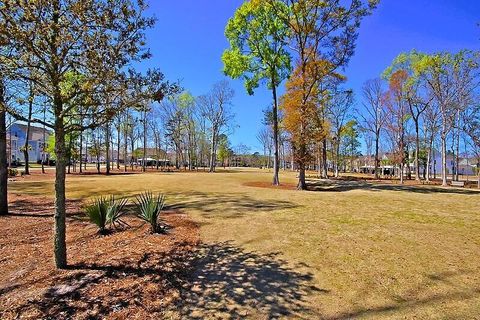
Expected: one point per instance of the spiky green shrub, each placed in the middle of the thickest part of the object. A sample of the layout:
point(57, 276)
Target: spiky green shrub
point(115, 211)
point(97, 212)
point(149, 208)
point(103, 211)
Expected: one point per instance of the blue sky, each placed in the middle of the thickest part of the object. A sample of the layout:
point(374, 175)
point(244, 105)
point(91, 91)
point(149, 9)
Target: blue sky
point(188, 40)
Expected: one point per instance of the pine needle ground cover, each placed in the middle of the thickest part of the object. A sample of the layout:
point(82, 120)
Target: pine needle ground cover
point(238, 249)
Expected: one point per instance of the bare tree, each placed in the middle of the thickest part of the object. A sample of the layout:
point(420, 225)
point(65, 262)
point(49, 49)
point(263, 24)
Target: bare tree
point(375, 117)
point(338, 113)
point(264, 136)
point(215, 108)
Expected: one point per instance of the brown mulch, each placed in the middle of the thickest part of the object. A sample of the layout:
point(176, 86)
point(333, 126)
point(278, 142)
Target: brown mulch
point(128, 274)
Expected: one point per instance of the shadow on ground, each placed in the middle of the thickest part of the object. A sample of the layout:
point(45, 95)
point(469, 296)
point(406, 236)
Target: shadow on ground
point(341, 186)
point(230, 283)
point(415, 299)
point(230, 205)
point(35, 207)
point(211, 280)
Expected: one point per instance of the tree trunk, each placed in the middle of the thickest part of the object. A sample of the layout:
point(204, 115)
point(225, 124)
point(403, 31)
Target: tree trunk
point(324, 159)
point(377, 160)
point(107, 148)
point(429, 160)
point(118, 146)
point(25, 146)
point(457, 155)
point(80, 153)
point(444, 160)
point(213, 156)
point(276, 164)
point(3, 154)
point(60, 247)
point(417, 151)
point(302, 185)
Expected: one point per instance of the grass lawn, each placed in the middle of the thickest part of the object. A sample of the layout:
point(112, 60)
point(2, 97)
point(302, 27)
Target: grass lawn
point(346, 250)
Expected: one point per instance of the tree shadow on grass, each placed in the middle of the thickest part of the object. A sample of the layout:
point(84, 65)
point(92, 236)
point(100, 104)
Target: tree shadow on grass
point(229, 205)
point(230, 283)
point(342, 186)
point(218, 280)
point(455, 292)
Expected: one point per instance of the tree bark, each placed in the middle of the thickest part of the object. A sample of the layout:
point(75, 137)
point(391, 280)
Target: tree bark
point(276, 164)
point(213, 156)
point(107, 148)
point(302, 185)
point(444, 160)
point(25, 146)
point(417, 150)
point(80, 153)
point(3, 154)
point(377, 160)
point(60, 246)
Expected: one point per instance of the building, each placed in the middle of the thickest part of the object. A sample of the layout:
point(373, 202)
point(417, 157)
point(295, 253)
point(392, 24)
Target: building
point(16, 136)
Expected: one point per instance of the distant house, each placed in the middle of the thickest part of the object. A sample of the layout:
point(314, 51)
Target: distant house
point(16, 136)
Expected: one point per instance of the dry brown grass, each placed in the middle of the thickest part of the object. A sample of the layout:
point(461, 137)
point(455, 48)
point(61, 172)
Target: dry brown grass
point(348, 250)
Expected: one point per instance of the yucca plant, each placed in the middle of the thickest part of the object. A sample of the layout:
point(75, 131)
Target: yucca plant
point(115, 211)
point(149, 207)
point(97, 212)
point(103, 211)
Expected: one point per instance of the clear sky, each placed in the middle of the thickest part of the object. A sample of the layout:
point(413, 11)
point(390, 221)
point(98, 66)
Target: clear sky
point(188, 41)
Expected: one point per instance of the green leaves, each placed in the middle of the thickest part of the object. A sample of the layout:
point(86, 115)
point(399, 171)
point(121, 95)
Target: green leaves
point(149, 207)
point(105, 211)
point(257, 37)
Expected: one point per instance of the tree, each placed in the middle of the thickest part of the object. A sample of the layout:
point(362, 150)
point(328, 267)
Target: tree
point(472, 128)
point(215, 107)
point(55, 40)
point(302, 118)
point(398, 115)
point(415, 95)
point(338, 112)
point(449, 78)
point(257, 37)
point(224, 149)
point(3, 150)
point(375, 117)
point(264, 136)
point(350, 145)
point(321, 32)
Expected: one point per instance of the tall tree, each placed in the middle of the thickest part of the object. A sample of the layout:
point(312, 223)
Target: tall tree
point(416, 96)
point(215, 108)
point(257, 37)
point(63, 38)
point(448, 77)
point(374, 118)
point(320, 30)
point(338, 113)
point(398, 115)
point(302, 118)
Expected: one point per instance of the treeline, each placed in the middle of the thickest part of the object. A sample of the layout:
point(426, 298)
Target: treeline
point(420, 101)
point(306, 43)
point(69, 66)
point(180, 131)
point(426, 103)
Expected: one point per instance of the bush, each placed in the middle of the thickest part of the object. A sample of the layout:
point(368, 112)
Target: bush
point(105, 211)
point(149, 208)
point(12, 172)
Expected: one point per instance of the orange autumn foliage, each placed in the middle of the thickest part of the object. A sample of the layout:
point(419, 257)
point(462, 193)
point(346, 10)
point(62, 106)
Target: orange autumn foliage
point(303, 106)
